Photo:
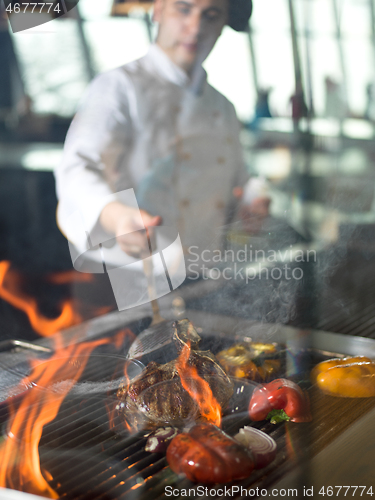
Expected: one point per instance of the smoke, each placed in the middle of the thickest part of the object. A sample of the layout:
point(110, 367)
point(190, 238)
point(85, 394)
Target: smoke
point(258, 277)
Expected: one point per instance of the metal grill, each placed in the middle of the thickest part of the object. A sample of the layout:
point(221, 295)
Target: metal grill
point(111, 464)
point(88, 460)
point(115, 465)
point(339, 300)
point(347, 306)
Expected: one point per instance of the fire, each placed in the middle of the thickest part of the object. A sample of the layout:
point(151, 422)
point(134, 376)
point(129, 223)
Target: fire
point(20, 464)
point(118, 341)
point(120, 337)
point(69, 276)
point(11, 291)
point(126, 383)
point(198, 388)
point(42, 325)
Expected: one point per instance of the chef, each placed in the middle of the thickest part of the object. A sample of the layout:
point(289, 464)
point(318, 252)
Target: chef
point(154, 144)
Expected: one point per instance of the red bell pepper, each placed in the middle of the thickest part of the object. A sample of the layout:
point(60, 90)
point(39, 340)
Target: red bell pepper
point(280, 400)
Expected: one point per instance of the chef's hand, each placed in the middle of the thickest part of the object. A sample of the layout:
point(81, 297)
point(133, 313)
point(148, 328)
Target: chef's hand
point(252, 214)
point(124, 222)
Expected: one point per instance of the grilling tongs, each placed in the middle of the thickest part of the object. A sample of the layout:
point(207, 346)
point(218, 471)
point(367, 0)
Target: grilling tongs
point(159, 333)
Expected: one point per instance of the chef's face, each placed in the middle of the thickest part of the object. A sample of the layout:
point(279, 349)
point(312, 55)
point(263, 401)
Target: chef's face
point(188, 29)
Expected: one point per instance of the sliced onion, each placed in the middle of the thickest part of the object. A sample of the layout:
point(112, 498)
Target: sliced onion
point(261, 444)
point(159, 440)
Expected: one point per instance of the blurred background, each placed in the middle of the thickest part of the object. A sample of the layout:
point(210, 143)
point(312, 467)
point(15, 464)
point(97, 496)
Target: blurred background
point(302, 80)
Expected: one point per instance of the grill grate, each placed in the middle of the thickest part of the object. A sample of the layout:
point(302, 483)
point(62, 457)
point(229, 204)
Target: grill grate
point(119, 466)
point(88, 460)
point(349, 310)
point(337, 296)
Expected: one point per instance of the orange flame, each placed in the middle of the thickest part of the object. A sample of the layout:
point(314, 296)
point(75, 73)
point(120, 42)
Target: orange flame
point(20, 464)
point(111, 412)
point(69, 276)
point(13, 295)
point(119, 338)
point(198, 388)
point(118, 341)
point(126, 383)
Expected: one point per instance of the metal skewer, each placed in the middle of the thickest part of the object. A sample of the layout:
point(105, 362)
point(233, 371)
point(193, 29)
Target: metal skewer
point(148, 269)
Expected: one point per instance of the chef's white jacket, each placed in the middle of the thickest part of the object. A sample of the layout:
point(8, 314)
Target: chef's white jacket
point(174, 140)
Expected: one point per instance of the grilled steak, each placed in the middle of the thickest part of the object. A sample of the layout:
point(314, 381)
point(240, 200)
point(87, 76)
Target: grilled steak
point(156, 397)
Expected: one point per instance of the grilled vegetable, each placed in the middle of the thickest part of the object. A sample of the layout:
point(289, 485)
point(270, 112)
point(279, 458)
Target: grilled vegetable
point(346, 377)
point(159, 440)
point(262, 446)
point(207, 455)
point(248, 360)
point(280, 400)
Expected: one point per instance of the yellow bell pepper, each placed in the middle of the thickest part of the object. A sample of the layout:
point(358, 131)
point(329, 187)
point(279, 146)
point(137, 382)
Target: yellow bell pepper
point(346, 377)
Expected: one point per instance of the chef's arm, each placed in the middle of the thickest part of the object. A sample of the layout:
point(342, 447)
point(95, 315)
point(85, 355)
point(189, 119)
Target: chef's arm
point(251, 194)
point(259, 205)
point(124, 222)
point(96, 150)
point(252, 209)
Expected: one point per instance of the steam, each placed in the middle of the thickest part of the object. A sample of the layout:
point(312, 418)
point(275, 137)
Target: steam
point(85, 389)
point(267, 277)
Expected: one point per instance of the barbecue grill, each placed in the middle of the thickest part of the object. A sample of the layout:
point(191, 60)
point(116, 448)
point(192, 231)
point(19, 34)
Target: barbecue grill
point(88, 457)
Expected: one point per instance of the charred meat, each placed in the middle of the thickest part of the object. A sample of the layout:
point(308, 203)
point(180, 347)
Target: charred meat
point(157, 398)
